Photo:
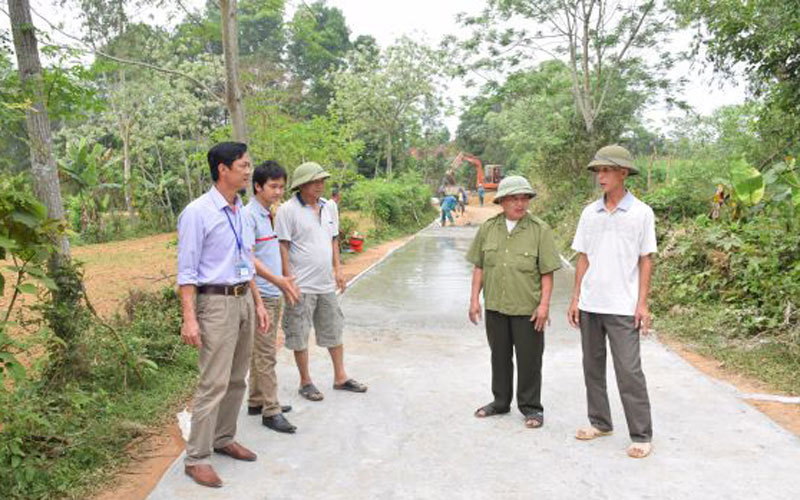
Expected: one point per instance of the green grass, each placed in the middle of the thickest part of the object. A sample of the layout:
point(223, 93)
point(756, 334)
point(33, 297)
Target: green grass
point(65, 429)
point(705, 328)
point(88, 432)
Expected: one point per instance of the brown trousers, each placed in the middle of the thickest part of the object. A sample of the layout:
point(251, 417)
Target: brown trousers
point(227, 325)
point(624, 341)
point(263, 379)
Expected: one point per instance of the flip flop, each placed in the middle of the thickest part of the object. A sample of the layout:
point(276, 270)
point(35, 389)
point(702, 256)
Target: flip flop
point(589, 433)
point(488, 411)
point(311, 393)
point(350, 385)
point(639, 450)
point(534, 420)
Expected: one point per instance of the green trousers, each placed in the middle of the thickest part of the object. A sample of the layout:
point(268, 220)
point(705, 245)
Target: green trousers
point(508, 335)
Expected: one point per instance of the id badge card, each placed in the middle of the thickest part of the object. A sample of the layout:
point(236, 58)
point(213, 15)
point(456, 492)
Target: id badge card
point(242, 270)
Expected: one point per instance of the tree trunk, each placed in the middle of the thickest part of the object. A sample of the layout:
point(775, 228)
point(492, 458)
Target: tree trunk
point(389, 155)
point(188, 176)
point(166, 189)
point(126, 168)
point(37, 120)
point(230, 48)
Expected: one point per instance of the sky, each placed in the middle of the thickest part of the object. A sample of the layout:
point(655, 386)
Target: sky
point(429, 21)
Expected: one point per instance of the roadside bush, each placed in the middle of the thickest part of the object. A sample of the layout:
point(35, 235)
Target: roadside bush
point(153, 322)
point(680, 200)
point(59, 434)
point(346, 228)
point(753, 267)
point(400, 203)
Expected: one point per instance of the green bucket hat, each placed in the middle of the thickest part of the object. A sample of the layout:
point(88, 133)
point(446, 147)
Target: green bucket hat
point(307, 172)
point(613, 156)
point(511, 185)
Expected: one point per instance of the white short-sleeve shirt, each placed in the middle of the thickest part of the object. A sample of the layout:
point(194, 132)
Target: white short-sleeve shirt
point(613, 242)
point(311, 242)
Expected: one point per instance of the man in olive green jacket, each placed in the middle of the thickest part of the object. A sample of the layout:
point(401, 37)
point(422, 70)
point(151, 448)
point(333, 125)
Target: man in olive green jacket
point(514, 255)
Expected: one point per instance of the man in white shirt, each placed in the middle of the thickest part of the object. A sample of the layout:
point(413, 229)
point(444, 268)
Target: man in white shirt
point(614, 240)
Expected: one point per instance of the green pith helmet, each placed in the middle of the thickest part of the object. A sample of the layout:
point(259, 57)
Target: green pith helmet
point(613, 156)
point(307, 172)
point(511, 185)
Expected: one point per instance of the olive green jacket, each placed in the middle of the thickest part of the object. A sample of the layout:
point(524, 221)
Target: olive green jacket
point(514, 263)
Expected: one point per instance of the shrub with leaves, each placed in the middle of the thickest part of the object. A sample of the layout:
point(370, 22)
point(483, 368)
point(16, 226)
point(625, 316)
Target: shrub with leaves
point(401, 202)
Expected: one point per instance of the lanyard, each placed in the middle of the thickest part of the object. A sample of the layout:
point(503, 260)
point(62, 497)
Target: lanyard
point(236, 235)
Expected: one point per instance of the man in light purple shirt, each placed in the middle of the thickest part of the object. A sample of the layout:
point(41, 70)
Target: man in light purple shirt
point(221, 306)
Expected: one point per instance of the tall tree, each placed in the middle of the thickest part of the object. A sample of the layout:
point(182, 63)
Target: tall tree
point(320, 40)
point(385, 95)
point(600, 41)
point(230, 49)
point(763, 36)
point(37, 121)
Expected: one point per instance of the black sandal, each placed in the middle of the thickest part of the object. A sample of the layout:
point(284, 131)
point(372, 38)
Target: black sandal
point(311, 393)
point(534, 420)
point(488, 411)
point(350, 385)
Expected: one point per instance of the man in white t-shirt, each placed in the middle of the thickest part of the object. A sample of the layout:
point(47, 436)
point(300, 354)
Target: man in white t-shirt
point(308, 228)
point(615, 239)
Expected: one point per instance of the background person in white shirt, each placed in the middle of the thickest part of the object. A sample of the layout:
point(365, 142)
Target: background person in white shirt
point(614, 240)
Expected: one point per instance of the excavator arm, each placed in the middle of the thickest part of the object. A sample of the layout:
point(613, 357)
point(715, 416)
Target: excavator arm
point(460, 158)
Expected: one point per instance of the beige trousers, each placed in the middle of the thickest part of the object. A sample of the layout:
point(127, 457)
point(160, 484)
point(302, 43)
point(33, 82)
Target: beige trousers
point(263, 379)
point(227, 325)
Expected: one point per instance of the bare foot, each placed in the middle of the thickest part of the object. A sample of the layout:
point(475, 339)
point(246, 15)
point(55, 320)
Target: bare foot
point(639, 450)
point(589, 433)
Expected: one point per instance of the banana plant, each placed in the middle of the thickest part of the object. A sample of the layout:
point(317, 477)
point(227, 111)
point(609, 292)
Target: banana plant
point(85, 167)
point(747, 182)
point(784, 180)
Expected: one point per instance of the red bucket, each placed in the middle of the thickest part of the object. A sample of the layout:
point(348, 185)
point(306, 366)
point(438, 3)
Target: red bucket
point(356, 244)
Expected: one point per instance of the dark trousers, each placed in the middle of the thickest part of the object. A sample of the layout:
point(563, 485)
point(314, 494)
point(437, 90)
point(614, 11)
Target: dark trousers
point(507, 334)
point(624, 341)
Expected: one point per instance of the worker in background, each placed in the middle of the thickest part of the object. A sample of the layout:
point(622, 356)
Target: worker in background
point(448, 205)
point(462, 200)
point(481, 193)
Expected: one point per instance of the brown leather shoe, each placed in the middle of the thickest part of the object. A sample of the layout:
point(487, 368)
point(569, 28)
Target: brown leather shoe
point(238, 452)
point(204, 475)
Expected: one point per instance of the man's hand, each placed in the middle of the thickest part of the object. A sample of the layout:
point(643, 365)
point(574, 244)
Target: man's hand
point(341, 283)
point(541, 317)
point(475, 311)
point(573, 314)
point(190, 333)
point(263, 318)
point(641, 320)
point(289, 289)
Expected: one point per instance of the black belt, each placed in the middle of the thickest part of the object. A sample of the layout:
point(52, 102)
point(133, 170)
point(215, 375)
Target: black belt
point(235, 290)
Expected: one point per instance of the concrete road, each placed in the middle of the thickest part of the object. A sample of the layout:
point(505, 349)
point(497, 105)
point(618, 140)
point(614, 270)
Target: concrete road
point(413, 434)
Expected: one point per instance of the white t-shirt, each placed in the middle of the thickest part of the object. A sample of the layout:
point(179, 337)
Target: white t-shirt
point(613, 242)
point(510, 225)
point(311, 236)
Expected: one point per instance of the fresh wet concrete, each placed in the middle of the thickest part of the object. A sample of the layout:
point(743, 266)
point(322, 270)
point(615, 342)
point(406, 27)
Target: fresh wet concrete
point(413, 434)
